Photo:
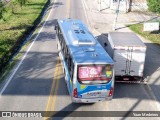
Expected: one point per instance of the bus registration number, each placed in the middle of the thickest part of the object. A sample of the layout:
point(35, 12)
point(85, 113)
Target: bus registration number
point(94, 93)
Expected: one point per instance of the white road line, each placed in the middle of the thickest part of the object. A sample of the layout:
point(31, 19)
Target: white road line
point(12, 75)
point(86, 16)
point(84, 8)
point(85, 5)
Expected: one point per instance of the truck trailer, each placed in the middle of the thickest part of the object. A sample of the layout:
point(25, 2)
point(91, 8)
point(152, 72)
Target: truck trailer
point(128, 52)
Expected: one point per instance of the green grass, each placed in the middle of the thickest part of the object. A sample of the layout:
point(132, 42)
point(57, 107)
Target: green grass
point(152, 36)
point(13, 27)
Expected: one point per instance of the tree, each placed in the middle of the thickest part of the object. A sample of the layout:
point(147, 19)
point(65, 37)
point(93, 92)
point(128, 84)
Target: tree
point(154, 5)
point(1, 9)
point(22, 2)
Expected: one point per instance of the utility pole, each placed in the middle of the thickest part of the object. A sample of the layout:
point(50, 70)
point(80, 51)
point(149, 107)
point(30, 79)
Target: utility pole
point(117, 12)
point(130, 5)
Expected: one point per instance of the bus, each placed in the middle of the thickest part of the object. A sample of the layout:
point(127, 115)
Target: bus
point(88, 69)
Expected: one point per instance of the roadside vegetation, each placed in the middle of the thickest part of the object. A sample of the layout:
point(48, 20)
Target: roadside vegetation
point(153, 6)
point(17, 19)
point(152, 36)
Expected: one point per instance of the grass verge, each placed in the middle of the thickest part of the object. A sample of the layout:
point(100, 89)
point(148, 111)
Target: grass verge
point(152, 36)
point(13, 24)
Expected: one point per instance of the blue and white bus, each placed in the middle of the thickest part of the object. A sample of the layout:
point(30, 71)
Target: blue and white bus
point(88, 69)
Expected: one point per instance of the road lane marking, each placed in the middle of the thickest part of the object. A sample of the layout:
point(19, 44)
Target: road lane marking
point(87, 8)
point(86, 16)
point(56, 77)
point(52, 87)
point(16, 69)
point(57, 85)
point(54, 90)
point(59, 70)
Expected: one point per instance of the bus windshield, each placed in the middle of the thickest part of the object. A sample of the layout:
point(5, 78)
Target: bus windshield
point(95, 73)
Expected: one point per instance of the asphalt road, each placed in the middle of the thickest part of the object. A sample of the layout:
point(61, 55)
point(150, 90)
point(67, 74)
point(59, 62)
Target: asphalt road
point(38, 84)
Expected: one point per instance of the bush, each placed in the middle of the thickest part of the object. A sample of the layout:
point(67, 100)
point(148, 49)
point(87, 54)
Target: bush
point(1, 9)
point(16, 24)
point(6, 13)
point(154, 5)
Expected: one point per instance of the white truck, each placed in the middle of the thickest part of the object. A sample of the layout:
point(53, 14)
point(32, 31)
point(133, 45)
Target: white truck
point(128, 52)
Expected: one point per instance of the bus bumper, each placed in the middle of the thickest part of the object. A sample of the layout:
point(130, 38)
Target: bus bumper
point(93, 100)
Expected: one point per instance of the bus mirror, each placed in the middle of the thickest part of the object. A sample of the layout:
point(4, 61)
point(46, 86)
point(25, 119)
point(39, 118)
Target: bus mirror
point(55, 27)
point(105, 44)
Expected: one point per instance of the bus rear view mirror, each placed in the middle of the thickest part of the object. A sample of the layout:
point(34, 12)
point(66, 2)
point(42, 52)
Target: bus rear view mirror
point(55, 27)
point(105, 44)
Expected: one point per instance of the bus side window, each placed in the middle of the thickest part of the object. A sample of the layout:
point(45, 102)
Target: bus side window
point(60, 38)
point(59, 32)
point(62, 42)
point(64, 53)
point(70, 66)
point(71, 69)
point(69, 62)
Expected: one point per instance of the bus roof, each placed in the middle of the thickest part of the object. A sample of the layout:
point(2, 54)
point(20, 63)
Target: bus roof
point(83, 46)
